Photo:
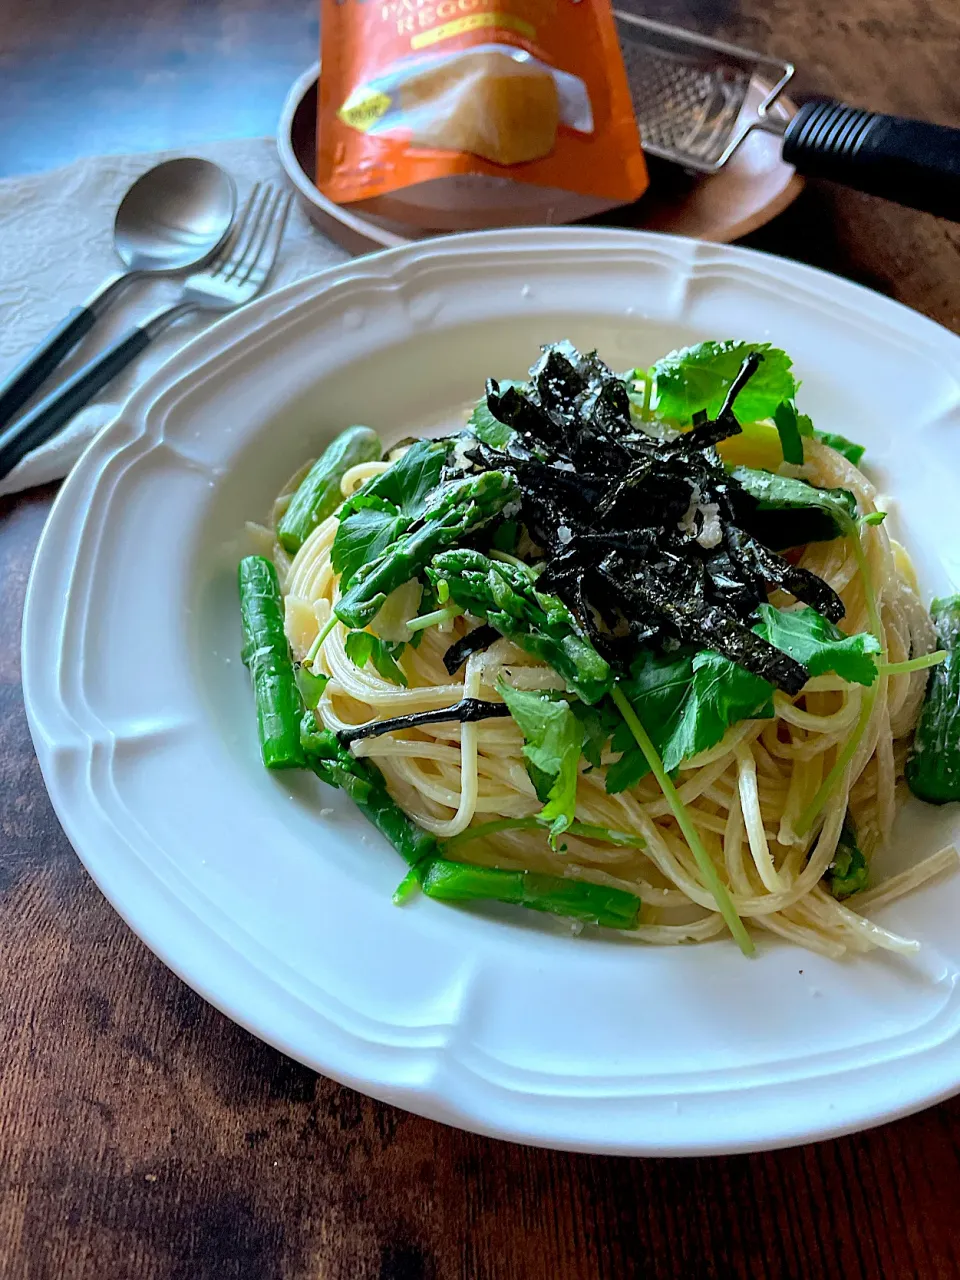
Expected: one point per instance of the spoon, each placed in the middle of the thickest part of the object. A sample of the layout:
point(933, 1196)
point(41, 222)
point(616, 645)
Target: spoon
point(174, 217)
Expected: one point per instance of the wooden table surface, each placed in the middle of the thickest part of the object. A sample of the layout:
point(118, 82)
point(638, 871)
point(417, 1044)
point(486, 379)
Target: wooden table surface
point(141, 1133)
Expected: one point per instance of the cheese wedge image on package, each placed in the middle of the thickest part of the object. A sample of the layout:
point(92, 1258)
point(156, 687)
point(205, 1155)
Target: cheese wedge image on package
point(428, 95)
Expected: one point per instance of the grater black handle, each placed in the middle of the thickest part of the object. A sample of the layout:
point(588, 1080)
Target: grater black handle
point(909, 161)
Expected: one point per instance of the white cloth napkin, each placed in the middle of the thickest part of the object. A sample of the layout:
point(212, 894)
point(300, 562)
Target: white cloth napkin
point(56, 247)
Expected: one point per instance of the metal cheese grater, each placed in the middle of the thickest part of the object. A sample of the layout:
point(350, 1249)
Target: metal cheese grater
point(696, 99)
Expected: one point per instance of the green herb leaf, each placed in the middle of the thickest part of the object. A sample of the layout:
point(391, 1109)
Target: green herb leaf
point(688, 701)
point(485, 426)
point(599, 723)
point(851, 451)
point(371, 526)
point(721, 694)
point(553, 739)
point(699, 377)
point(781, 493)
point(505, 536)
point(787, 421)
point(819, 645)
point(409, 483)
point(385, 507)
point(657, 688)
point(791, 512)
point(361, 647)
point(311, 687)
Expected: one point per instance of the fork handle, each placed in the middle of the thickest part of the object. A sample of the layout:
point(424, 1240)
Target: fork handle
point(41, 362)
point(52, 413)
point(909, 161)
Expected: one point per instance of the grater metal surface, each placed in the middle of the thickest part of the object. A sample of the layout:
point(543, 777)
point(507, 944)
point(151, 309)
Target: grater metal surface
point(690, 92)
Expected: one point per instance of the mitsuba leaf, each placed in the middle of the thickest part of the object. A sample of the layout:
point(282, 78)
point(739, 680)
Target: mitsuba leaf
point(505, 536)
point(658, 687)
point(552, 751)
point(787, 421)
point(599, 722)
point(787, 512)
point(687, 701)
point(362, 647)
point(371, 526)
point(698, 378)
point(485, 426)
point(819, 645)
point(385, 507)
point(851, 451)
point(784, 493)
point(409, 482)
point(311, 686)
point(721, 694)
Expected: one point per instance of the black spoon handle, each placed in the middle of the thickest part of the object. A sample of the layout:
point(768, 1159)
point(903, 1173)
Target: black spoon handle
point(46, 418)
point(41, 362)
point(908, 161)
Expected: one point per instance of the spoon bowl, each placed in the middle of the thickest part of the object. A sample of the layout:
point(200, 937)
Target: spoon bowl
point(175, 216)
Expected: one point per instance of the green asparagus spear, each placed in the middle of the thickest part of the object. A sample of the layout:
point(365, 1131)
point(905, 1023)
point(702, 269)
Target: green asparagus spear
point(319, 493)
point(505, 596)
point(933, 767)
point(591, 903)
point(457, 881)
point(266, 653)
point(363, 782)
point(848, 871)
point(456, 509)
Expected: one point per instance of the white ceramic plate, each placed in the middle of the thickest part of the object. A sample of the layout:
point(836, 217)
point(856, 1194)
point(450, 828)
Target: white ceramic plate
point(279, 913)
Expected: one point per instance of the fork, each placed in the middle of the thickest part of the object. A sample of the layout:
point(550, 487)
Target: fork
point(232, 278)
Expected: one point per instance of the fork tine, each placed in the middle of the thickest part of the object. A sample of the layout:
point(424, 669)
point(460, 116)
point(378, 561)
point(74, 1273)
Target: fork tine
point(246, 228)
point(251, 238)
point(257, 235)
point(268, 246)
point(226, 251)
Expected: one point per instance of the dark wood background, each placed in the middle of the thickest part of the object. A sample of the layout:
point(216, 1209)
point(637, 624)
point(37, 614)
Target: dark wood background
point(141, 1133)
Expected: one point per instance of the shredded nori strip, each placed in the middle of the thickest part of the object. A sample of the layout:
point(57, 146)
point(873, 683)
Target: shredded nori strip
point(622, 517)
point(800, 582)
point(467, 711)
point(473, 642)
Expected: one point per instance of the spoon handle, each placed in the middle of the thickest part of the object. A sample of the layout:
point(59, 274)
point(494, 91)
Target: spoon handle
point(54, 412)
point(34, 371)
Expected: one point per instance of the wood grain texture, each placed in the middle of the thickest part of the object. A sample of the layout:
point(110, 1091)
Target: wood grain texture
point(141, 1133)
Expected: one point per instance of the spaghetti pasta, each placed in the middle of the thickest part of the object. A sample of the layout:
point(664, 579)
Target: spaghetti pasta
point(768, 804)
point(744, 794)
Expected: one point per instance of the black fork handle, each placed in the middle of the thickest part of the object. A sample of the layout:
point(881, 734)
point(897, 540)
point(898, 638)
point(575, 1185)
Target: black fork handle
point(911, 162)
point(37, 367)
point(46, 418)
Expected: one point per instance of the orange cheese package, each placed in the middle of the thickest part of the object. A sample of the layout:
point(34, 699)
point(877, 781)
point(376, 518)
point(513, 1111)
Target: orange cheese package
point(473, 103)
